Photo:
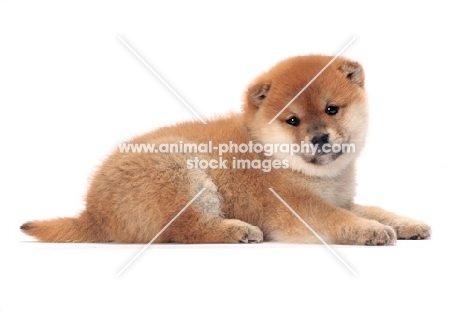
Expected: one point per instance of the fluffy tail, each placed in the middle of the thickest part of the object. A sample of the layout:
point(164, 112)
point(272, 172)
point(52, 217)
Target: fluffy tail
point(62, 230)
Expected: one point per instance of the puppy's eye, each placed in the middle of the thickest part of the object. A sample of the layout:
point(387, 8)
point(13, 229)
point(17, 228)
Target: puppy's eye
point(294, 121)
point(332, 110)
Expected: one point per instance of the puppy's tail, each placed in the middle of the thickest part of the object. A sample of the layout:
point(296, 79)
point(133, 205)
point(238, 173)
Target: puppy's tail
point(62, 230)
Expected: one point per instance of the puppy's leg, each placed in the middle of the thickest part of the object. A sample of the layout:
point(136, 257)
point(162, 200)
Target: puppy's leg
point(135, 196)
point(405, 227)
point(194, 227)
point(333, 224)
point(203, 222)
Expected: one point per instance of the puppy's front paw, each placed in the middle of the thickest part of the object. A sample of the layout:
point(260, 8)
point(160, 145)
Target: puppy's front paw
point(371, 232)
point(409, 229)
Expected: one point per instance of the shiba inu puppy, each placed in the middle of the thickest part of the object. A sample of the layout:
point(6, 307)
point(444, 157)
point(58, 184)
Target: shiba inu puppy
point(134, 195)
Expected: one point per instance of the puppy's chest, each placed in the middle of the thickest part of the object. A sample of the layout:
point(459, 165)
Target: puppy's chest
point(336, 191)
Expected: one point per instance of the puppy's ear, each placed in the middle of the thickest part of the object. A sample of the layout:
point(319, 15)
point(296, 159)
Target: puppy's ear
point(353, 71)
point(258, 93)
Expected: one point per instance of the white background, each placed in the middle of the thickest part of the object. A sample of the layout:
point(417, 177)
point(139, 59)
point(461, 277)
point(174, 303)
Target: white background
point(70, 91)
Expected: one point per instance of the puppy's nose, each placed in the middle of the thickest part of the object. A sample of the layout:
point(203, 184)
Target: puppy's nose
point(320, 139)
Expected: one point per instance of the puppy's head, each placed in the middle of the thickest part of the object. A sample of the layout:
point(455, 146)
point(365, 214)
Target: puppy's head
point(329, 115)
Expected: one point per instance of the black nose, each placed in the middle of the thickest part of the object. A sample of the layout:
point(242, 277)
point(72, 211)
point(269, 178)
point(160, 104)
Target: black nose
point(320, 139)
